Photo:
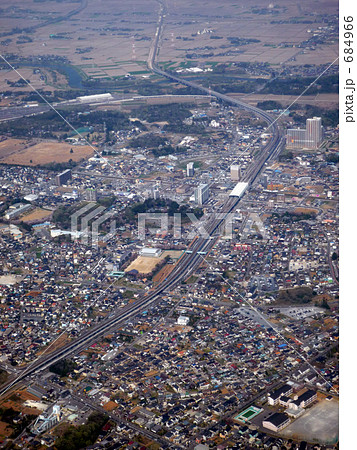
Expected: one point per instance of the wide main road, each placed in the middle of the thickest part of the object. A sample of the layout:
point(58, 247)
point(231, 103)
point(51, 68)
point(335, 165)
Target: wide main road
point(188, 262)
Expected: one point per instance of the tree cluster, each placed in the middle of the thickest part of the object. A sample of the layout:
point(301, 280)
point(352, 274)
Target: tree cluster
point(294, 85)
point(160, 205)
point(82, 436)
point(63, 367)
point(171, 112)
point(296, 295)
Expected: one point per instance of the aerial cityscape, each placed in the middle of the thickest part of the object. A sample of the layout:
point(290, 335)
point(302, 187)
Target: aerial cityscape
point(169, 223)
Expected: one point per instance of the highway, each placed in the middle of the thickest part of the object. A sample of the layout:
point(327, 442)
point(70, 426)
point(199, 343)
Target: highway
point(189, 261)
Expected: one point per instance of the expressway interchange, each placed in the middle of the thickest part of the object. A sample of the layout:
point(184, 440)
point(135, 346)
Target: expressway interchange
point(189, 261)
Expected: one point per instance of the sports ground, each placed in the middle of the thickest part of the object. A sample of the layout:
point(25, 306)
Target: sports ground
point(248, 414)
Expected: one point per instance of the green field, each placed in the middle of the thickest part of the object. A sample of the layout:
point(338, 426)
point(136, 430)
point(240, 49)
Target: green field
point(248, 414)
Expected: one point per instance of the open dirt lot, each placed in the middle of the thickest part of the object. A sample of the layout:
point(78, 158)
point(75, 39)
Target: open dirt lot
point(16, 151)
point(146, 264)
point(5, 430)
point(16, 400)
point(37, 81)
point(321, 100)
point(37, 214)
point(164, 272)
point(317, 424)
point(10, 146)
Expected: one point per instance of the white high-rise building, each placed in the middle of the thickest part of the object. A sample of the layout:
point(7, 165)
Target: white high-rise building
point(313, 132)
point(190, 169)
point(309, 138)
point(235, 172)
point(201, 194)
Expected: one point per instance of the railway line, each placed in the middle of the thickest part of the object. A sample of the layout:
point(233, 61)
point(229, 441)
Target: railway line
point(189, 261)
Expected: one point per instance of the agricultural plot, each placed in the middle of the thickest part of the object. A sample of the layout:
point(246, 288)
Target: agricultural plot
point(107, 39)
point(248, 33)
point(112, 39)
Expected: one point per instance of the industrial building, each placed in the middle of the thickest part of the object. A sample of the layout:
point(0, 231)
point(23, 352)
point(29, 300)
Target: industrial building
point(95, 98)
point(239, 190)
point(183, 320)
point(47, 420)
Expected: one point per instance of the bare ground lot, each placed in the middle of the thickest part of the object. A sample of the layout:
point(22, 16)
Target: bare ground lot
point(317, 424)
point(5, 430)
point(16, 399)
point(36, 215)
point(146, 264)
point(11, 76)
point(17, 151)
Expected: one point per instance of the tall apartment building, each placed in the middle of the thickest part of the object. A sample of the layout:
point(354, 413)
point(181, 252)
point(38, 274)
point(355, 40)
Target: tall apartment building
point(265, 180)
point(313, 132)
point(309, 138)
point(63, 177)
point(190, 169)
point(90, 195)
point(156, 194)
point(235, 172)
point(201, 194)
point(295, 138)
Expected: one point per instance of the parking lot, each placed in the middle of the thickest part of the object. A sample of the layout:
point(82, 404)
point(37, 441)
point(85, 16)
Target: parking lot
point(301, 313)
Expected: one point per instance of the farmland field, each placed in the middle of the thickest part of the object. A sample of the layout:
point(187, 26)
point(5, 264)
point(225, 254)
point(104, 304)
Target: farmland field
point(111, 39)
